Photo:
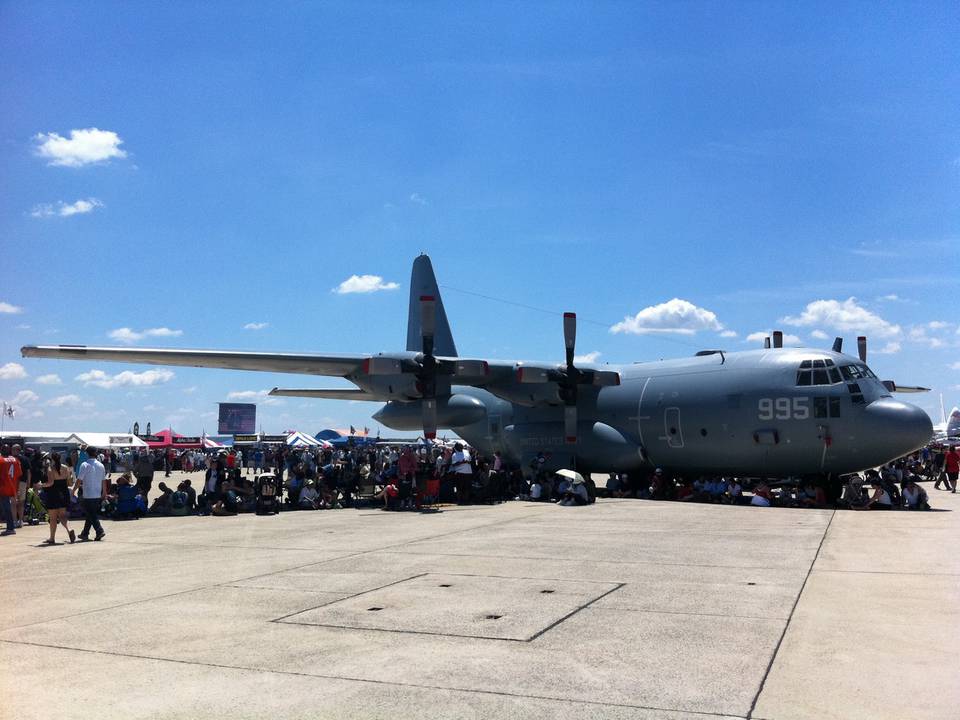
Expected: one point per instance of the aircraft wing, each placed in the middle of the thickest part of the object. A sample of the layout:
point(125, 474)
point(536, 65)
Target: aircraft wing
point(305, 364)
point(328, 394)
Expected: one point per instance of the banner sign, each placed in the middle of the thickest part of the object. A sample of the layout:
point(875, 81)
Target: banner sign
point(274, 438)
point(121, 440)
point(151, 438)
point(237, 418)
point(186, 440)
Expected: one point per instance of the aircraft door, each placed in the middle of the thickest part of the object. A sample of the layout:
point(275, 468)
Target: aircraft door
point(671, 426)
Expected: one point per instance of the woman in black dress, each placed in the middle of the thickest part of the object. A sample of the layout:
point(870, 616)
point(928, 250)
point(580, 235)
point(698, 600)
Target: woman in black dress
point(57, 497)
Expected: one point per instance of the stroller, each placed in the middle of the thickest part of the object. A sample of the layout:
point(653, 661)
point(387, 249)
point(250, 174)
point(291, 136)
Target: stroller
point(268, 497)
point(34, 511)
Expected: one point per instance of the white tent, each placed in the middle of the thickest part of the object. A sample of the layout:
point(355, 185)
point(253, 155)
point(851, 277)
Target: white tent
point(301, 439)
point(106, 440)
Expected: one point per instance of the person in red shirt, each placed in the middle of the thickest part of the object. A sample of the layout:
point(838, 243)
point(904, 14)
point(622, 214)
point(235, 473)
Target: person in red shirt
point(9, 482)
point(951, 464)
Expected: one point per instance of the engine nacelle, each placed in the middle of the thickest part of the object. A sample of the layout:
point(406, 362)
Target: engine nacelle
point(452, 412)
point(598, 445)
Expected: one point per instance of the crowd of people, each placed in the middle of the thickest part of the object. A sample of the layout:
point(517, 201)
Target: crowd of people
point(81, 483)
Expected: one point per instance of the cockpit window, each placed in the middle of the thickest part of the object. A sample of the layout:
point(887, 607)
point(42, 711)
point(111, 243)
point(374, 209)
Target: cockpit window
point(818, 372)
point(850, 372)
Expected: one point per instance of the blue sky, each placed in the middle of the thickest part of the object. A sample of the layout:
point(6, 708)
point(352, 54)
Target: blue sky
point(764, 163)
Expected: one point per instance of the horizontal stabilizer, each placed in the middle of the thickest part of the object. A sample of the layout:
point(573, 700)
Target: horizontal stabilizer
point(327, 394)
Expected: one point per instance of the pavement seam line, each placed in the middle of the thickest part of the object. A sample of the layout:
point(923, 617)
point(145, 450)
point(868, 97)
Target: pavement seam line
point(776, 649)
point(373, 682)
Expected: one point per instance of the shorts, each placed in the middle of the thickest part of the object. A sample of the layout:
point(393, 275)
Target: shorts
point(952, 476)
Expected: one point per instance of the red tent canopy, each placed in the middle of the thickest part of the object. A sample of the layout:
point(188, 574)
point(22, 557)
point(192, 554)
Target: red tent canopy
point(168, 438)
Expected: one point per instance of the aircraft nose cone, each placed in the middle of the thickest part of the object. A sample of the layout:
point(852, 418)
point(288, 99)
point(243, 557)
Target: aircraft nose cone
point(903, 426)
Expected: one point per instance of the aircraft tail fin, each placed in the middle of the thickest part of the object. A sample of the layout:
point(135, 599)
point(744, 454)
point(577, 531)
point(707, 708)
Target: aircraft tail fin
point(423, 283)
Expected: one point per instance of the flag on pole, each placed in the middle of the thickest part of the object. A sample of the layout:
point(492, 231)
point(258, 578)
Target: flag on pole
point(8, 410)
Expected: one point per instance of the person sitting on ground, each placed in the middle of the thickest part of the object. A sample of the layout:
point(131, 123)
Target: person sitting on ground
point(613, 485)
point(180, 500)
point(852, 495)
point(390, 495)
point(575, 493)
point(126, 499)
point(915, 497)
point(161, 505)
point(761, 496)
point(811, 496)
point(716, 488)
point(880, 500)
point(309, 497)
point(734, 492)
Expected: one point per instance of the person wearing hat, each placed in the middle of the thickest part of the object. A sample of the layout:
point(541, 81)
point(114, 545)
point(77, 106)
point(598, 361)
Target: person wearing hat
point(308, 496)
point(575, 493)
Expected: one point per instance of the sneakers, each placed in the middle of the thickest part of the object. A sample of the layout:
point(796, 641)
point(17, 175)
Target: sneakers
point(8, 532)
point(19, 523)
point(99, 537)
point(83, 538)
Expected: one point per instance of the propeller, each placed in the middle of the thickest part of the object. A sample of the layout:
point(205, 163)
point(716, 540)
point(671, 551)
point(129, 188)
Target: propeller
point(862, 348)
point(568, 379)
point(838, 344)
point(427, 374)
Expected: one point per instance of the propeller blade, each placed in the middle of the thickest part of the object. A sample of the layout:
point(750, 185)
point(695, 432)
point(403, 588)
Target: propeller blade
point(429, 418)
point(777, 338)
point(766, 343)
point(897, 388)
point(862, 348)
point(570, 335)
point(606, 378)
point(428, 315)
point(381, 366)
point(570, 424)
point(838, 345)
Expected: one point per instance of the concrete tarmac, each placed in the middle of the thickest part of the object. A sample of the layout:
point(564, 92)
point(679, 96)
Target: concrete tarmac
point(624, 609)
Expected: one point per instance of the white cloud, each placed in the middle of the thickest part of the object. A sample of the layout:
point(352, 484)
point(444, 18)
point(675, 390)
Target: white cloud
point(52, 379)
point(83, 147)
point(819, 335)
point(259, 396)
point(9, 309)
point(844, 315)
point(126, 378)
point(892, 297)
point(590, 357)
point(890, 348)
point(955, 366)
point(79, 207)
point(190, 390)
point(150, 408)
point(937, 325)
point(64, 400)
point(255, 326)
point(918, 334)
point(23, 326)
point(24, 397)
point(759, 336)
point(126, 335)
point(37, 414)
point(418, 199)
point(674, 316)
point(728, 334)
point(364, 284)
point(12, 371)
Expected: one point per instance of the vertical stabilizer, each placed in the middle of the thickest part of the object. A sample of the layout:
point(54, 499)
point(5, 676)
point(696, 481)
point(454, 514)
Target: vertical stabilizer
point(424, 283)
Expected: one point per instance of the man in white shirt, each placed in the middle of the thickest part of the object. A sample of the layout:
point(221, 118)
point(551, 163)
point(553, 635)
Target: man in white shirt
point(91, 479)
point(462, 472)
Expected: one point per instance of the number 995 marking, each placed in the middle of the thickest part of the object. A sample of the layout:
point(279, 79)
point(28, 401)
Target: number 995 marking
point(783, 408)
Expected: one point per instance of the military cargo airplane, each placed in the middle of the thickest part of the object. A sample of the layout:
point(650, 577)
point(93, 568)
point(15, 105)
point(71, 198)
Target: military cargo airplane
point(773, 412)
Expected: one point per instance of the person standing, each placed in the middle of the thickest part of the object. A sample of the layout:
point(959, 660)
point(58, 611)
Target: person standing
point(462, 470)
point(951, 464)
point(21, 499)
point(9, 480)
point(91, 478)
point(144, 473)
point(57, 497)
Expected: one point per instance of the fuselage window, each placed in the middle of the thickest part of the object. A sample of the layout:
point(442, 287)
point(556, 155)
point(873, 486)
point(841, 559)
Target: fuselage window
point(834, 407)
point(806, 365)
point(850, 372)
point(803, 377)
point(820, 377)
point(819, 364)
point(835, 375)
point(820, 407)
